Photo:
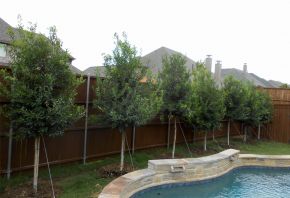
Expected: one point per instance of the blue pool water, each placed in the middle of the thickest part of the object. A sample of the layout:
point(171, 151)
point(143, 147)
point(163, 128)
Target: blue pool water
point(246, 182)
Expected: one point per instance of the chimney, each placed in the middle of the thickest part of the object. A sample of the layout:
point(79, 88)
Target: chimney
point(208, 62)
point(217, 73)
point(245, 68)
point(192, 66)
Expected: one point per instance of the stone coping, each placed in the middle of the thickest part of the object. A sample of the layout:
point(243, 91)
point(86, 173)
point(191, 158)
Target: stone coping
point(168, 164)
point(186, 170)
point(253, 156)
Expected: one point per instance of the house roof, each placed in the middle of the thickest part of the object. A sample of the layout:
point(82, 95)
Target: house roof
point(75, 70)
point(93, 70)
point(5, 38)
point(244, 76)
point(153, 60)
point(275, 83)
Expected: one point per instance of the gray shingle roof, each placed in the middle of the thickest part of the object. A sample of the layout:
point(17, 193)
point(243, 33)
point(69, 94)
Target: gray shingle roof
point(92, 71)
point(275, 83)
point(5, 38)
point(153, 60)
point(256, 80)
point(75, 70)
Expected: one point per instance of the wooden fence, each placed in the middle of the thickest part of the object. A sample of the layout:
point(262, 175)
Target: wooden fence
point(104, 141)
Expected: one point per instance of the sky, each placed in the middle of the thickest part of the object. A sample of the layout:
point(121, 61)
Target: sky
point(256, 32)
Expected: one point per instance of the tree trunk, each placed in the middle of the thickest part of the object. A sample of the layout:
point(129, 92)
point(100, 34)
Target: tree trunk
point(213, 134)
point(9, 151)
point(242, 128)
point(174, 139)
point(168, 131)
point(259, 131)
point(193, 135)
point(133, 139)
point(122, 150)
point(229, 127)
point(245, 133)
point(36, 163)
point(204, 146)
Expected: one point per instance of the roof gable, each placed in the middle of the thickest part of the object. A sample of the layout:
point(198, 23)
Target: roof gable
point(153, 60)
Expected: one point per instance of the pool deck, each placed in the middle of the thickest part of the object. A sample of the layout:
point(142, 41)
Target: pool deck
point(189, 169)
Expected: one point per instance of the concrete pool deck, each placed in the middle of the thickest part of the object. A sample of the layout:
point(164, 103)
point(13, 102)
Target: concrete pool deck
point(186, 170)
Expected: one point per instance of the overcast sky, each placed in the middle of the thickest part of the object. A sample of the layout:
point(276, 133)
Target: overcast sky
point(234, 31)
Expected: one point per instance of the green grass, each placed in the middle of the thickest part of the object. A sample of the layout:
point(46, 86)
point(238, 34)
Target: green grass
point(78, 180)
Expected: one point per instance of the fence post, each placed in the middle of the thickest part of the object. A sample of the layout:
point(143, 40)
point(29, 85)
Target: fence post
point(133, 139)
point(9, 152)
point(86, 119)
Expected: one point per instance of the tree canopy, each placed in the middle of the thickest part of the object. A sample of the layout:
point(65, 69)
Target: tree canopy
point(205, 107)
point(123, 97)
point(259, 106)
point(41, 87)
point(174, 80)
point(235, 99)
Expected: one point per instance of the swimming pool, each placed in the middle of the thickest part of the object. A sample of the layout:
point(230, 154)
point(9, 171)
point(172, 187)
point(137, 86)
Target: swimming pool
point(224, 174)
point(241, 182)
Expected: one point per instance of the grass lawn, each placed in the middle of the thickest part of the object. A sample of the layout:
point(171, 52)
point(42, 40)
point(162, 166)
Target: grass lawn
point(77, 180)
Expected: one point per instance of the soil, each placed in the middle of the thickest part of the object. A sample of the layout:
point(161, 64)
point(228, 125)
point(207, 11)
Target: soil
point(26, 190)
point(113, 170)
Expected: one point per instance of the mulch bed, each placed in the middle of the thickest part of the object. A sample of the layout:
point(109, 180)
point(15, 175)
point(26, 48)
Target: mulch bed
point(26, 190)
point(113, 170)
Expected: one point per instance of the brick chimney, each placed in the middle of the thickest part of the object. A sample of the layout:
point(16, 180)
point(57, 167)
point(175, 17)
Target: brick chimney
point(208, 62)
point(245, 68)
point(217, 73)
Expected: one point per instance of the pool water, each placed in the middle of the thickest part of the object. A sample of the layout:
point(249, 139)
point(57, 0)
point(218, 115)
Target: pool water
point(246, 182)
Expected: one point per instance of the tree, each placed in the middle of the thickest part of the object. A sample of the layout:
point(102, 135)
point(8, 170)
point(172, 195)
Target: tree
point(259, 107)
point(252, 104)
point(205, 106)
point(41, 88)
point(122, 97)
point(174, 81)
point(266, 110)
point(235, 101)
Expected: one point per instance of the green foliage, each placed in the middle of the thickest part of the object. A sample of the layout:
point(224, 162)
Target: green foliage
point(259, 106)
point(266, 107)
point(123, 97)
point(235, 99)
point(252, 105)
point(174, 80)
point(205, 106)
point(41, 87)
point(285, 85)
point(244, 102)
